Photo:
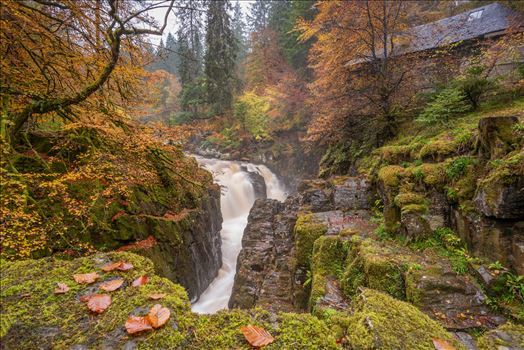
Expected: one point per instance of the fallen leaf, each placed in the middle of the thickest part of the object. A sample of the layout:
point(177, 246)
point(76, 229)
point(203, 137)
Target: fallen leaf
point(135, 324)
point(441, 344)
point(99, 303)
point(147, 243)
point(125, 266)
point(158, 315)
point(119, 265)
point(85, 298)
point(117, 215)
point(86, 278)
point(157, 296)
point(140, 281)
point(112, 285)
point(61, 288)
point(257, 336)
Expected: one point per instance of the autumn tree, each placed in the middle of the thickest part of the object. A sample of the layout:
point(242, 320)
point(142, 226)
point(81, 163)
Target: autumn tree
point(357, 73)
point(58, 56)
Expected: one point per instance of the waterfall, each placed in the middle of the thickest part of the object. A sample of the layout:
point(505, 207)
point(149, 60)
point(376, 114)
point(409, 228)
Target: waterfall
point(236, 201)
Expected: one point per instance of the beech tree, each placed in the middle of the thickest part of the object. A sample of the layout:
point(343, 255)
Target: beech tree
point(57, 54)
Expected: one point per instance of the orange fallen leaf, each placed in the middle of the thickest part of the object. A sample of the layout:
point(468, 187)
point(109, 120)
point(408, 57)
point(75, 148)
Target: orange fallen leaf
point(158, 315)
point(99, 303)
point(117, 215)
point(257, 336)
point(441, 344)
point(119, 265)
point(140, 281)
point(61, 288)
point(157, 296)
point(135, 324)
point(86, 278)
point(85, 298)
point(112, 285)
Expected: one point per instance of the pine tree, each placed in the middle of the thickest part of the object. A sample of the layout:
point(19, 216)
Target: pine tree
point(259, 15)
point(239, 31)
point(220, 56)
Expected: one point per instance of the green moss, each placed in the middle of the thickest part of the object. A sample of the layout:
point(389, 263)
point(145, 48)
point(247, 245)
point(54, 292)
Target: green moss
point(39, 318)
point(391, 175)
point(306, 231)
point(291, 331)
point(405, 198)
point(382, 322)
point(437, 149)
point(329, 253)
point(395, 154)
point(512, 337)
point(375, 265)
point(415, 208)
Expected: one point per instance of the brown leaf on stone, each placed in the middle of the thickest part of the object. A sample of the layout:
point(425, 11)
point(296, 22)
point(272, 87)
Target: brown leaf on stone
point(99, 303)
point(119, 265)
point(441, 344)
point(86, 278)
point(112, 285)
point(140, 281)
point(147, 243)
point(156, 296)
point(158, 315)
point(135, 324)
point(256, 336)
point(61, 288)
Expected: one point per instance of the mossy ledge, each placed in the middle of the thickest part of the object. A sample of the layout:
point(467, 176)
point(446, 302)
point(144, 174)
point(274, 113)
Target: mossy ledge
point(33, 317)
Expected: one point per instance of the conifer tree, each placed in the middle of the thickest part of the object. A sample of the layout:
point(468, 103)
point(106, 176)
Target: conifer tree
point(220, 56)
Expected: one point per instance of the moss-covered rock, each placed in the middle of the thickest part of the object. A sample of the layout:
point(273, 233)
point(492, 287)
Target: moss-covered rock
point(376, 265)
point(34, 317)
point(382, 322)
point(306, 231)
point(507, 336)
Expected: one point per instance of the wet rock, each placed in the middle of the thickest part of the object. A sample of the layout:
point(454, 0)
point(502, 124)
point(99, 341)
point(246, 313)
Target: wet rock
point(353, 193)
point(265, 275)
point(258, 182)
point(333, 297)
point(337, 220)
point(454, 300)
point(496, 137)
point(506, 337)
point(500, 199)
point(495, 240)
point(466, 340)
point(414, 226)
point(316, 195)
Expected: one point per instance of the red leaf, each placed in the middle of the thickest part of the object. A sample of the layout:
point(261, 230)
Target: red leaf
point(257, 336)
point(112, 285)
point(147, 243)
point(117, 215)
point(441, 344)
point(85, 298)
point(158, 315)
point(140, 281)
point(86, 278)
point(99, 303)
point(61, 288)
point(135, 324)
point(156, 296)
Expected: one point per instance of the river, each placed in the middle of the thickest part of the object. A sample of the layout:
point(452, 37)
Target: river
point(236, 200)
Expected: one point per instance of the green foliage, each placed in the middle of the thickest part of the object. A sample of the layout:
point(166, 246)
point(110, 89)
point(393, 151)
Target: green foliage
point(449, 103)
point(251, 110)
point(458, 167)
point(474, 84)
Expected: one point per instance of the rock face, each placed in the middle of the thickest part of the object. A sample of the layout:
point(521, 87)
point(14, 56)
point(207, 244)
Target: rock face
point(496, 137)
point(502, 200)
point(187, 248)
point(259, 185)
point(265, 269)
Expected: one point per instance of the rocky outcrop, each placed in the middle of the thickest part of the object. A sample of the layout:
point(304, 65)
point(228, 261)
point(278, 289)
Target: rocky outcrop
point(265, 264)
point(258, 182)
point(496, 138)
point(188, 244)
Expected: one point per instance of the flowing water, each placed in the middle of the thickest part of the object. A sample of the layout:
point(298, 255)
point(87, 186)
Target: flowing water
point(236, 200)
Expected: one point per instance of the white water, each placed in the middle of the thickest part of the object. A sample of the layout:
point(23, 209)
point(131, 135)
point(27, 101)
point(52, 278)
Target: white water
point(236, 200)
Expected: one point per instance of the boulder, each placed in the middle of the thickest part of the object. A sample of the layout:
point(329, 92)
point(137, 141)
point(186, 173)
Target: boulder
point(506, 337)
point(502, 199)
point(455, 300)
point(258, 182)
point(353, 193)
point(414, 225)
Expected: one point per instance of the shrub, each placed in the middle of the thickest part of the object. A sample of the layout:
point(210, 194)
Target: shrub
point(448, 103)
point(474, 84)
point(251, 110)
point(458, 167)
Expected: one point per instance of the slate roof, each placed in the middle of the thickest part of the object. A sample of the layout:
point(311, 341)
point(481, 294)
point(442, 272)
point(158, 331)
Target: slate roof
point(465, 26)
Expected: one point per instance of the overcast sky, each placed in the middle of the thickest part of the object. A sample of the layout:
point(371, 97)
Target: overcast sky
point(171, 24)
